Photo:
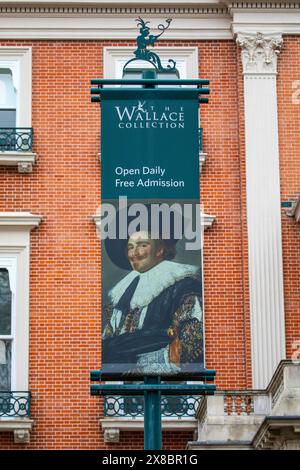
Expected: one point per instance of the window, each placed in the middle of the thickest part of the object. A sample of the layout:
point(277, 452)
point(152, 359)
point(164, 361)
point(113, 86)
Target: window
point(16, 133)
point(15, 86)
point(15, 230)
point(15, 396)
point(7, 303)
point(8, 99)
point(8, 109)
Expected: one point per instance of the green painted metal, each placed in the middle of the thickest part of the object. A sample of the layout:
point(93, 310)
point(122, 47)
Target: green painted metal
point(17, 139)
point(130, 406)
point(164, 389)
point(144, 40)
point(95, 375)
point(151, 81)
point(205, 374)
point(15, 404)
point(152, 389)
point(183, 91)
point(95, 99)
point(152, 417)
point(286, 204)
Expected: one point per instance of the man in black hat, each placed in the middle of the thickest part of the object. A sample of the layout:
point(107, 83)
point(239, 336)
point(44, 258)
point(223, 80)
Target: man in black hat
point(153, 320)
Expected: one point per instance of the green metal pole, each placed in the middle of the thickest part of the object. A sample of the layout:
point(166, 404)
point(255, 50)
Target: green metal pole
point(152, 417)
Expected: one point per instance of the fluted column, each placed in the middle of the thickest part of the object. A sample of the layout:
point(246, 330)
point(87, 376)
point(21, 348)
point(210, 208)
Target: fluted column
point(259, 57)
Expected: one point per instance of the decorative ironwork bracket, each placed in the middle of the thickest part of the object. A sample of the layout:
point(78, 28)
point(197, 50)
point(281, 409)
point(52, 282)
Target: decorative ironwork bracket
point(144, 40)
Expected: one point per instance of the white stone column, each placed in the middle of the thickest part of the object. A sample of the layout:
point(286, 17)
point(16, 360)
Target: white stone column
point(259, 57)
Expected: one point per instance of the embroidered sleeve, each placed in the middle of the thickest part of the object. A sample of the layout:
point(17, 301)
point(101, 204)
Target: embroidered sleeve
point(107, 318)
point(187, 328)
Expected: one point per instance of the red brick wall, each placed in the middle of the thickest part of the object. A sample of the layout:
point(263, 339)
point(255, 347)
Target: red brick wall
point(65, 257)
point(289, 144)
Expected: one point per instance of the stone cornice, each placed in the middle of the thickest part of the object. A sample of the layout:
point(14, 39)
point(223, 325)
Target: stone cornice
point(114, 19)
point(110, 10)
point(262, 5)
point(19, 219)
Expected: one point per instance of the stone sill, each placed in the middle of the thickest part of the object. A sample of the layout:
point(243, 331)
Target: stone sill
point(236, 420)
point(21, 428)
point(226, 445)
point(113, 426)
point(23, 160)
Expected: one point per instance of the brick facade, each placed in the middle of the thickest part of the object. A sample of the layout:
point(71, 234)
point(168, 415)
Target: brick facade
point(64, 188)
point(289, 144)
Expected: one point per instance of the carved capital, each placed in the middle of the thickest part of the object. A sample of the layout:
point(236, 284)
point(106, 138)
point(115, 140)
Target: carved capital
point(260, 52)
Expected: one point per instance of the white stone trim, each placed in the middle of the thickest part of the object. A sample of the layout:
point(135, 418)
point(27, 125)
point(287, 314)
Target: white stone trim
point(113, 56)
point(19, 219)
point(115, 19)
point(22, 160)
point(263, 217)
point(58, 4)
point(112, 22)
point(22, 57)
point(268, 17)
point(15, 243)
point(202, 159)
point(21, 428)
point(207, 220)
point(137, 424)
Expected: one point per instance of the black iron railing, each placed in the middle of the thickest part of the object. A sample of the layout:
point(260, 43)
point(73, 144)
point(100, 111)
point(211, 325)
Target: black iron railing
point(130, 407)
point(18, 139)
point(15, 404)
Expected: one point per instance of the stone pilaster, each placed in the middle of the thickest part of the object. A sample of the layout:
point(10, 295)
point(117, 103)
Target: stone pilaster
point(259, 56)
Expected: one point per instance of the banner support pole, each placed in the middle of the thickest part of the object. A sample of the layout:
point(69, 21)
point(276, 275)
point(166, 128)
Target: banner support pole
point(152, 416)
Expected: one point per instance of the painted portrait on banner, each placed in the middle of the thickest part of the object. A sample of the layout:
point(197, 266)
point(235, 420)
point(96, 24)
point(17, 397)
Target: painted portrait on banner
point(152, 322)
point(152, 319)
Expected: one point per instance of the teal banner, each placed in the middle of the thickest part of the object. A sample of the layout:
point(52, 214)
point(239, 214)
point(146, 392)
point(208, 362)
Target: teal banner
point(150, 144)
point(151, 236)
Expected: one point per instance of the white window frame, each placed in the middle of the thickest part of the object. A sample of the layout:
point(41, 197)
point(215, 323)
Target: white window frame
point(15, 230)
point(114, 56)
point(19, 61)
point(9, 262)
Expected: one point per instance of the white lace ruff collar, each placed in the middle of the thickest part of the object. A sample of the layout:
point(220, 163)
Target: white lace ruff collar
point(152, 282)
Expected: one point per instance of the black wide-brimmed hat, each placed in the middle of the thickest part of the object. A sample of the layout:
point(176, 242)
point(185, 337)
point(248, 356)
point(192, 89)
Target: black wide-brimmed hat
point(116, 248)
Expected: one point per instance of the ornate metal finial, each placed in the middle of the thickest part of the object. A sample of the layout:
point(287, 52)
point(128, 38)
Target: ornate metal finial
point(144, 40)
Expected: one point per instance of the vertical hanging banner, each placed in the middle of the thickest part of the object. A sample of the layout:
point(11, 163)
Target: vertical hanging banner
point(150, 144)
point(152, 320)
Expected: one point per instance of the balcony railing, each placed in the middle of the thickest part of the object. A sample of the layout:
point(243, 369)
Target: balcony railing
point(132, 407)
point(16, 139)
point(15, 404)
